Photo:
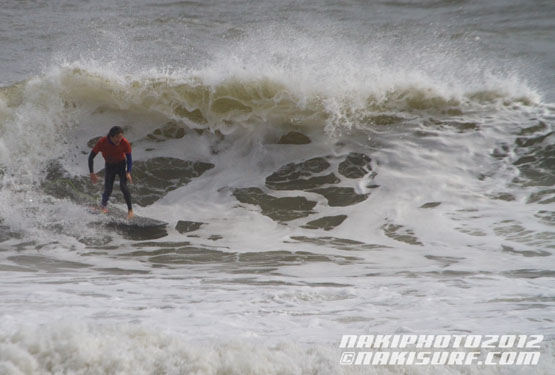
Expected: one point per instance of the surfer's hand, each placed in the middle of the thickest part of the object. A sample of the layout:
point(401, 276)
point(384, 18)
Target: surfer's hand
point(94, 178)
point(129, 178)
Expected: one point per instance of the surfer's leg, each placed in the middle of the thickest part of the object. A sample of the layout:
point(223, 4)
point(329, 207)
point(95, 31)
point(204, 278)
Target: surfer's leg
point(109, 178)
point(126, 194)
point(124, 188)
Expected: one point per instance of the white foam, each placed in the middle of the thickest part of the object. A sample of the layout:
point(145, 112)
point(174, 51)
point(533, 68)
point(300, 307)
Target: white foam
point(130, 349)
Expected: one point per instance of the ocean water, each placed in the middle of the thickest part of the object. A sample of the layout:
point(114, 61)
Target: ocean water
point(310, 169)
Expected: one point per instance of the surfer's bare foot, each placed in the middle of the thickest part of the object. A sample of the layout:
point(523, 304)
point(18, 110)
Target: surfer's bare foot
point(130, 214)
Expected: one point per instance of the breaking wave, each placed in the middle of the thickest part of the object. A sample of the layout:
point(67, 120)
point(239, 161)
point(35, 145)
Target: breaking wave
point(203, 99)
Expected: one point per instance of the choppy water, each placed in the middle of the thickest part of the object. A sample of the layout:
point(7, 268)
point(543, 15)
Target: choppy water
point(320, 169)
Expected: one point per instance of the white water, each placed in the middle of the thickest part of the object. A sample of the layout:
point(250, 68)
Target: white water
point(449, 242)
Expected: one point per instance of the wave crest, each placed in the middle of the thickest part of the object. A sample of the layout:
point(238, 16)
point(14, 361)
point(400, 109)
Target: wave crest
point(198, 100)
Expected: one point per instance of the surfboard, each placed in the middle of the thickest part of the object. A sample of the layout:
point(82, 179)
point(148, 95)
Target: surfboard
point(137, 228)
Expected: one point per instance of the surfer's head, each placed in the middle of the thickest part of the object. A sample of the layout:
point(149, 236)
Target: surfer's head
point(115, 135)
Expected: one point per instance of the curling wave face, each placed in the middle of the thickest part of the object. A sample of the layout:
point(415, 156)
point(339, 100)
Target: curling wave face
point(208, 99)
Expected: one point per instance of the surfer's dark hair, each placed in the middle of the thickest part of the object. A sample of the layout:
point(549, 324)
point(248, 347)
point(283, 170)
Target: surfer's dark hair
point(115, 131)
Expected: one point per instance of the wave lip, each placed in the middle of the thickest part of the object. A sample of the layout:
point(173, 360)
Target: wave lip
point(205, 99)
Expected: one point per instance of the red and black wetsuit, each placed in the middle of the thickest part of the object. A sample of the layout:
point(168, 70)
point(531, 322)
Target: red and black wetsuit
point(115, 157)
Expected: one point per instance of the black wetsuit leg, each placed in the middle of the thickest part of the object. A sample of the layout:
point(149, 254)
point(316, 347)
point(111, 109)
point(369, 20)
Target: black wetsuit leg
point(110, 176)
point(123, 186)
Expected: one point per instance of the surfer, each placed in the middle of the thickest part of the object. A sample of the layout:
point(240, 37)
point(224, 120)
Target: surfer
point(116, 150)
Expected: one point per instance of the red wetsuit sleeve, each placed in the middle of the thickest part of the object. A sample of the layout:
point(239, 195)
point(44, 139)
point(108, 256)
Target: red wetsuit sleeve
point(98, 146)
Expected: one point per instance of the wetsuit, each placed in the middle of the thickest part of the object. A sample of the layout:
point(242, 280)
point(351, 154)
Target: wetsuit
point(115, 157)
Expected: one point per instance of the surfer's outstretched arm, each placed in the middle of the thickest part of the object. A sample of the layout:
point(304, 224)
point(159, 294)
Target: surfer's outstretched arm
point(94, 178)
